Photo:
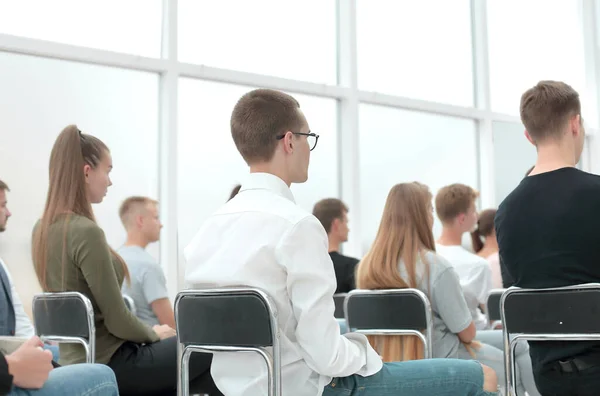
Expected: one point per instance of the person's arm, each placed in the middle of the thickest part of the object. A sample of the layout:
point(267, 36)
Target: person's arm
point(154, 287)
point(302, 251)
point(482, 281)
point(29, 366)
point(24, 327)
point(92, 255)
point(351, 280)
point(448, 297)
point(164, 312)
point(507, 279)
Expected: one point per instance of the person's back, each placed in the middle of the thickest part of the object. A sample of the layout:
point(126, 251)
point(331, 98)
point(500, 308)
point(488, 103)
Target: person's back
point(546, 229)
point(552, 242)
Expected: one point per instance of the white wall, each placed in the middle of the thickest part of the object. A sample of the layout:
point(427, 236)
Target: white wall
point(39, 97)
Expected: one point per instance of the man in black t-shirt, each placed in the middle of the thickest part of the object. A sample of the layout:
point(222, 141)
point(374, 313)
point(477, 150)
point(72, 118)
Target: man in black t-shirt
point(333, 214)
point(547, 230)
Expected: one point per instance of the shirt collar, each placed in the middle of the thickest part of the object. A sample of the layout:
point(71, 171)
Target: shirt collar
point(267, 181)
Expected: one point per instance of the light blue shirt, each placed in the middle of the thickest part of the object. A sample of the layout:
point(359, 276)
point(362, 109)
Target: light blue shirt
point(148, 282)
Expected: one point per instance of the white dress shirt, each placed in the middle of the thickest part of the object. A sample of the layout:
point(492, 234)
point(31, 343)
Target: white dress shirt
point(23, 326)
point(475, 277)
point(261, 238)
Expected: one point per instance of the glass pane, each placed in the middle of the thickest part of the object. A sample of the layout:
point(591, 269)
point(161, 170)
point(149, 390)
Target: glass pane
point(129, 26)
point(520, 57)
point(294, 40)
point(39, 97)
point(513, 156)
point(210, 165)
point(404, 146)
point(406, 49)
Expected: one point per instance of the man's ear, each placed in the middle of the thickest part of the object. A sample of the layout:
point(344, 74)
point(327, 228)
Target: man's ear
point(528, 136)
point(335, 224)
point(288, 144)
point(139, 221)
point(576, 124)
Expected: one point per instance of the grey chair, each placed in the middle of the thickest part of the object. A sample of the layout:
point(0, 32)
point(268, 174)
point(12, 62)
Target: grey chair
point(66, 317)
point(390, 312)
point(229, 319)
point(492, 307)
point(554, 314)
point(129, 303)
point(338, 300)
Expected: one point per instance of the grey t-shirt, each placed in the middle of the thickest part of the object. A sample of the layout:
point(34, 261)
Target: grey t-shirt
point(148, 282)
point(449, 308)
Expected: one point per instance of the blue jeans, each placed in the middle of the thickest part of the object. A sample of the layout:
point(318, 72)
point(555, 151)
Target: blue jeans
point(75, 380)
point(439, 377)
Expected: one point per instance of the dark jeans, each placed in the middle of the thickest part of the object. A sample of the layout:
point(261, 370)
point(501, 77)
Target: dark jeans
point(552, 382)
point(151, 369)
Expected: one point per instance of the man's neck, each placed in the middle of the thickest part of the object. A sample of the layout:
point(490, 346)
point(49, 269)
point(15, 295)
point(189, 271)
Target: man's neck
point(450, 237)
point(554, 156)
point(334, 245)
point(269, 167)
point(136, 240)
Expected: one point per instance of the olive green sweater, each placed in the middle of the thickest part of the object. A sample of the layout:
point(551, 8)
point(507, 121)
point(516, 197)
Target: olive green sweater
point(89, 268)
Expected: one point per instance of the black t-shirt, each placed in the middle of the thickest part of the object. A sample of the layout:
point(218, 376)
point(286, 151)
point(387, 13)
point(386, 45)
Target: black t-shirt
point(547, 231)
point(344, 271)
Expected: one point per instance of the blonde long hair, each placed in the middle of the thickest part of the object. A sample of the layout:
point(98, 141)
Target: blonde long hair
point(67, 193)
point(404, 236)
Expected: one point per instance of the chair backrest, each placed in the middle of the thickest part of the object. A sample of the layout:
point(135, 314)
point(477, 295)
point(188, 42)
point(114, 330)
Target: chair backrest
point(129, 303)
point(493, 305)
point(225, 316)
point(338, 300)
point(65, 317)
point(228, 319)
point(393, 311)
point(556, 314)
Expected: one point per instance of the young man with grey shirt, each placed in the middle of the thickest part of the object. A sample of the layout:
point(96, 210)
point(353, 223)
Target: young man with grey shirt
point(148, 287)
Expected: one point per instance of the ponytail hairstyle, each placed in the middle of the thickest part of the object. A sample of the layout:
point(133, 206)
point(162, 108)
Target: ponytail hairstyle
point(485, 228)
point(67, 192)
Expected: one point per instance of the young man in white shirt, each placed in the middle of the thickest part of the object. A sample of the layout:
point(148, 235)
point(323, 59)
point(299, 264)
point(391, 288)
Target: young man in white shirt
point(261, 238)
point(148, 287)
point(455, 207)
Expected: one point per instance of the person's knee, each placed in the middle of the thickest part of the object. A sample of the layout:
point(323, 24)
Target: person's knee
point(490, 379)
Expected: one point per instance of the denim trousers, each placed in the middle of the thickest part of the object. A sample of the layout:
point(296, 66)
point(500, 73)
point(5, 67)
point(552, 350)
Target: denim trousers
point(439, 377)
point(75, 380)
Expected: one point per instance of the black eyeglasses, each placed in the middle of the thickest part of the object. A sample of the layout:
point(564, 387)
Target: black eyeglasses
point(312, 138)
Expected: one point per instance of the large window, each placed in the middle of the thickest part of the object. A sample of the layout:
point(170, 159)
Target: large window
point(281, 38)
point(403, 146)
point(129, 26)
point(39, 97)
point(210, 165)
point(419, 49)
point(535, 40)
point(513, 156)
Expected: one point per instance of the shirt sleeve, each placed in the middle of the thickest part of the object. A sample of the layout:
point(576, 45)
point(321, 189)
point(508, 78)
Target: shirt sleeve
point(448, 298)
point(92, 255)
point(311, 284)
point(24, 327)
point(154, 284)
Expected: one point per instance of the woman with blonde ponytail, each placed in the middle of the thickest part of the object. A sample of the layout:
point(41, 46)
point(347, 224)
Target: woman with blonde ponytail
point(403, 256)
point(70, 253)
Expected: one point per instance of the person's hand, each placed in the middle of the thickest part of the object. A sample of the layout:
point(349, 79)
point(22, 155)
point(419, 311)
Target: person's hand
point(164, 331)
point(30, 365)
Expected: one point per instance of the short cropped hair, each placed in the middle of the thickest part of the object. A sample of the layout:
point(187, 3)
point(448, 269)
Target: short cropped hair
point(453, 200)
point(547, 108)
point(259, 118)
point(132, 203)
point(3, 186)
point(327, 210)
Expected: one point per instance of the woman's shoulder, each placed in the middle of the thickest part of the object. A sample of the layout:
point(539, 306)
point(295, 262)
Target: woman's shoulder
point(435, 260)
